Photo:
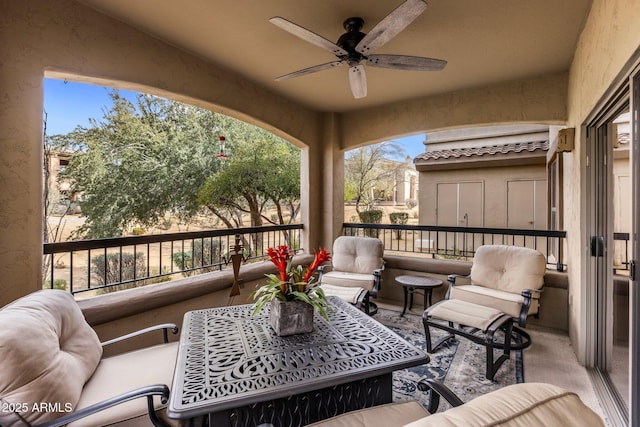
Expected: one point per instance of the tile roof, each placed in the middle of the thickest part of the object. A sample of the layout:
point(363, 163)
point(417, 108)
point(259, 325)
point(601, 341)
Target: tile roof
point(457, 153)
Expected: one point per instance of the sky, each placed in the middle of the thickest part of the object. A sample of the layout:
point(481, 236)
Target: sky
point(71, 104)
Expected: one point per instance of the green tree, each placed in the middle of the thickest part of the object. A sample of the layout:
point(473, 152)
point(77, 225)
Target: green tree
point(141, 162)
point(264, 171)
point(367, 173)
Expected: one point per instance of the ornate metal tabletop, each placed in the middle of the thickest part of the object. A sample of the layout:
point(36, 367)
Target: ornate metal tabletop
point(229, 358)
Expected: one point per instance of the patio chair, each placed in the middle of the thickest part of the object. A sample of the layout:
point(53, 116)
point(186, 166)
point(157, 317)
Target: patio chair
point(356, 270)
point(53, 372)
point(516, 405)
point(503, 280)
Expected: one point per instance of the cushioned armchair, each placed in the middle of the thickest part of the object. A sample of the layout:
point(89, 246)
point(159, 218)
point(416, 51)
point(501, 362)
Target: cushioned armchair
point(507, 278)
point(517, 405)
point(53, 373)
point(356, 269)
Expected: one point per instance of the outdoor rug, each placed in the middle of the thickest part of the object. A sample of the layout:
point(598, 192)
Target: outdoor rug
point(459, 363)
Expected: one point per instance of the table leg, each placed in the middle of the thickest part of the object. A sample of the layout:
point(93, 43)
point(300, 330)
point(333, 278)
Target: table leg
point(427, 297)
point(404, 309)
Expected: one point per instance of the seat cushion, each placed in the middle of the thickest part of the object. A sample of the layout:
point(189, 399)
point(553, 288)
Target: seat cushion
point(508, 268)
point(48, 351)
point(125, 372)
point(355, 280)
point(348, 294)
point(518, 405)
point(465, 313)
point(357, 254)
point(389, 415)
point(506, 302)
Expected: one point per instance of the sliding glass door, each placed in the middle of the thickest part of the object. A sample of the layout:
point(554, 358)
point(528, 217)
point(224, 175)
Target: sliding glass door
point(609, 194)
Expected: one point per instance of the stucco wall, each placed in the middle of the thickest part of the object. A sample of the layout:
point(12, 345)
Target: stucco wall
point(63, 38)
point(609, 40)
point(536, 100)
point(494, 182)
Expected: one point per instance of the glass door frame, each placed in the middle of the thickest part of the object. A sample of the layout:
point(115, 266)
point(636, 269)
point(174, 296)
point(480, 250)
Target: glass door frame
point(634, 290)
point(599, 174)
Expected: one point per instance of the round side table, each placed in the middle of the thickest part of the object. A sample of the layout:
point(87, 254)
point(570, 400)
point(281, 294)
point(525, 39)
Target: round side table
point(411, 284)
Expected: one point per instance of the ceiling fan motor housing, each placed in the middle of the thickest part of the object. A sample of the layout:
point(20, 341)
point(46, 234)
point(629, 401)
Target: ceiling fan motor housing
point(349, 40)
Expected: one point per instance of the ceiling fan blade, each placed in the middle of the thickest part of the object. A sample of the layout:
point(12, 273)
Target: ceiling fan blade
point(404, 62)
point(358, 81)
point(307, 35)
point(391, 25)
point(309, 70)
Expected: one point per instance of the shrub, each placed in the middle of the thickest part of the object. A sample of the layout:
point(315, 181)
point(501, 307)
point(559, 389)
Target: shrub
point(373, 216)
point(399, 218)
point(411, 203)
point(57, 284)
point(108, 271)
point(137, 231)
point(199, 256)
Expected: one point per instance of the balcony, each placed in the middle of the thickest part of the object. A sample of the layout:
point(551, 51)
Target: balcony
point(113, 313)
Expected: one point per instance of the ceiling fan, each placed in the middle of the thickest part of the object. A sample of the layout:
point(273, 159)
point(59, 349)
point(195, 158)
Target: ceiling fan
point(354, 48)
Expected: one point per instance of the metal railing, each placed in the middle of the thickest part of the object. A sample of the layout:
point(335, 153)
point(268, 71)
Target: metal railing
point(460, 242)
point(106, 265)
point(621, 253)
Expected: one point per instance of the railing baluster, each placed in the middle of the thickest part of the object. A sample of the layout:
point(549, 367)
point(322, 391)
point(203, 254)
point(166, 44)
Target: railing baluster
point(256, 239)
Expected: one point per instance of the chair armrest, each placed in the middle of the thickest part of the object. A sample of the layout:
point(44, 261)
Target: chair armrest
point(437, 389)
point(148, 392)
point(529, 295)
point(165, 327)
point(532, 293)
point(377, 281)
point(451, 278)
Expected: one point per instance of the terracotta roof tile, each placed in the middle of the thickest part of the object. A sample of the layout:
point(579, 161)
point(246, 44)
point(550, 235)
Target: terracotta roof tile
point(482, 151)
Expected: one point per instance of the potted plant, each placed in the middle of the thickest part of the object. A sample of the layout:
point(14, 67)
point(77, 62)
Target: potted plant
point(293, 293)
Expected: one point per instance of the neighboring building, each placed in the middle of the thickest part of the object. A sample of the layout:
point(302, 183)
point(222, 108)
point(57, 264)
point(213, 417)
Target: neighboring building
point(396, 182)
point(403, 182)
point(62, 200)
point(485, 177)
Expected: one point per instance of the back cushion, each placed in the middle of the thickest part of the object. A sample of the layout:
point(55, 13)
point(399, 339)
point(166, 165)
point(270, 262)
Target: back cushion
point(357, 254)
point(518, 405)
point(508, 268)
point(47, 353)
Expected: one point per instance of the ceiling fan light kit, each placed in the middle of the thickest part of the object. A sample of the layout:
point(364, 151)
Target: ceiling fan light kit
point(354, 47)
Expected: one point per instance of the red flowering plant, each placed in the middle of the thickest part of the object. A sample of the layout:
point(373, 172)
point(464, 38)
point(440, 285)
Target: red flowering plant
point(293, 282)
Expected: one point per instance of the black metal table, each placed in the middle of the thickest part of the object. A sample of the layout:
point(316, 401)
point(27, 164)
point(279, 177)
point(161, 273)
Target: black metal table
point(233, 370)
point(410, 284)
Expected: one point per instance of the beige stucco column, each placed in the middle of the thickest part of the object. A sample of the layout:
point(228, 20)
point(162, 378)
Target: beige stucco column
point(333, 179)
point(322, 187)
point(20, 172)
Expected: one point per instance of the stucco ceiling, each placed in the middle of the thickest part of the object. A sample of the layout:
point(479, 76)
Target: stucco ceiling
point(484, 42)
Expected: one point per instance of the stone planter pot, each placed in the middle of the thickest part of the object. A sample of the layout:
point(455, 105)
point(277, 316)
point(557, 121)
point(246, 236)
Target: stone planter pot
point(291, 317)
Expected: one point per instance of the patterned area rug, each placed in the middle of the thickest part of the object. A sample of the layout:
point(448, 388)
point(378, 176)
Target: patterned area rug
point(459, 363)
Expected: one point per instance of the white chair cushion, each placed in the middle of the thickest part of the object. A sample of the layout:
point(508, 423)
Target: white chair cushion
point(506, 302)
point(48, 351)
point(508, 268)
point(465, 313)
point(518, 405)
point(357, 254)
point(125, 372)
point(388, 415)
point(348, 294)
point(341, 278)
